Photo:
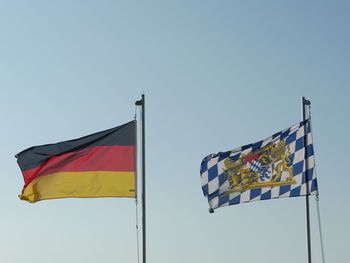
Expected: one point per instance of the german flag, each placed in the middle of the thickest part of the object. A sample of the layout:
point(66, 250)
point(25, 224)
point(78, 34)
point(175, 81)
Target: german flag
point(98, 165)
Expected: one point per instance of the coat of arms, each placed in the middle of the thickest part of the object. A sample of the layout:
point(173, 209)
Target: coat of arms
point(266, 167)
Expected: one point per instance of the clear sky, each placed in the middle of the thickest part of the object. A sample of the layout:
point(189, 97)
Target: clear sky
point(216, 75)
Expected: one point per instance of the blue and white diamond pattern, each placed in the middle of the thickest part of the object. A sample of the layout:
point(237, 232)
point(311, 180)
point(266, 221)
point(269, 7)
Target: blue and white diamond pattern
point(255, 166)
point(216, 187)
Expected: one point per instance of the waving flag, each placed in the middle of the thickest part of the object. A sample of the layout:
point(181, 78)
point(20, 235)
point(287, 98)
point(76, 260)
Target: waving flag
point(98, 165)
point(270, 168)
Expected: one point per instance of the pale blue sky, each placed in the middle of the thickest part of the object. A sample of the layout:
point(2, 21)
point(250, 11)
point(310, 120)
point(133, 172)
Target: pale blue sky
point(216, 75)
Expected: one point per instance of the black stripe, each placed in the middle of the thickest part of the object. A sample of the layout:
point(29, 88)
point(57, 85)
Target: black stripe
point(38, 155)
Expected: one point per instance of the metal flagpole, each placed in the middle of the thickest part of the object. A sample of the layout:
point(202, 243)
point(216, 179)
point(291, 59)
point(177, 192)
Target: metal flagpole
point(143, 188)
point(304, 103)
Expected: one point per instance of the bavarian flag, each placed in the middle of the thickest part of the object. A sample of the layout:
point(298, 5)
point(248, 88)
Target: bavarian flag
point(282, 165)
point(98, 165)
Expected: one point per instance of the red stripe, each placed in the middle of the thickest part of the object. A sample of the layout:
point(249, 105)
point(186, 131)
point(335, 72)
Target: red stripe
point(251, 158)
point(98, 158)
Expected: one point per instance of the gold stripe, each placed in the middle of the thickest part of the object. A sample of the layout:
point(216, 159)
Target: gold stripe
point(80, 184)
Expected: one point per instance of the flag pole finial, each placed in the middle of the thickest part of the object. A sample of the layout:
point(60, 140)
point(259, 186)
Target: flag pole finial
point(141, 101)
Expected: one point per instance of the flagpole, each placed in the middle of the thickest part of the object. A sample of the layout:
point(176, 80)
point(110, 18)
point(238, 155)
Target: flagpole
point(304, 103)
point(143, 187)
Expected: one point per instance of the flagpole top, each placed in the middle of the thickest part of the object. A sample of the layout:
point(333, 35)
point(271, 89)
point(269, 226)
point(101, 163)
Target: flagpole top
point(305, 101)
point(141, 101)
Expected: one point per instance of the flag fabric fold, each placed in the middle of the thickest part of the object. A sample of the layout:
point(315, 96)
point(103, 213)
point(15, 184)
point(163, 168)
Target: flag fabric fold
point(271, 168)
point(98, 165)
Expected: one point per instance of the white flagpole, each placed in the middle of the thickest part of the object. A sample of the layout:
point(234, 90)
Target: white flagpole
point(143, 187)
point(304, 103)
